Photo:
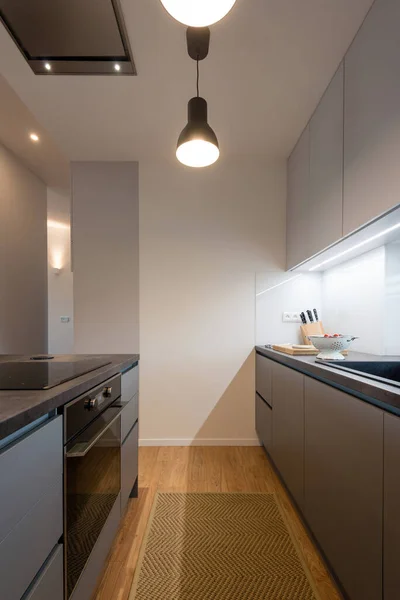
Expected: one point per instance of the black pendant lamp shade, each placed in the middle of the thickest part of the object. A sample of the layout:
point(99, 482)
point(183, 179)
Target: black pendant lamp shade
point(197, 144)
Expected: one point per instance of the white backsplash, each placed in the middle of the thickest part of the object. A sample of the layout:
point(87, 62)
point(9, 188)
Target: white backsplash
point(359, 297)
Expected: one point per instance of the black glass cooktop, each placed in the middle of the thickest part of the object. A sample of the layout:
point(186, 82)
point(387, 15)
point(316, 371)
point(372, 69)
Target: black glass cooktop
point(44, 374)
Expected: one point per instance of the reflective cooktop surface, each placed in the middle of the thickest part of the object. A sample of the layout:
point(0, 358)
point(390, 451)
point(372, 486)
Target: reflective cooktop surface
point(42, 375)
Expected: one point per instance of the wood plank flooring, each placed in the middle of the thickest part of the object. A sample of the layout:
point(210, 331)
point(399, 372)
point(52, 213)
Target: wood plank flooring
point(199, 469)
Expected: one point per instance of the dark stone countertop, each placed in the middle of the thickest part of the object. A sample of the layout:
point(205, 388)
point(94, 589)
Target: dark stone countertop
point(19, 408)
point(380, 394)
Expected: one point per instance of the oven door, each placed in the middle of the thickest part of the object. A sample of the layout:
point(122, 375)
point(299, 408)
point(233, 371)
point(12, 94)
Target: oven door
point(92, 485)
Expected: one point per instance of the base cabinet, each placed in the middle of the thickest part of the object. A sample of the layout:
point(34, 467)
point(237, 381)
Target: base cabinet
point(129, 465)
point(264, 423)
point(264, 378)
point(391, 502)
point(343, 485)
point(288, 428)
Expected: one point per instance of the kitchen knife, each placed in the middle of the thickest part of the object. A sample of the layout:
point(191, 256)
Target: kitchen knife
point(310, 316)
point(315, 314)
point(303, 318)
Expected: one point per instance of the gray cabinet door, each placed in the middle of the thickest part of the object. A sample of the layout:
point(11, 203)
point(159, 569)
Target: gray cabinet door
point(326, 169)
point(264, 423)
point(298, 201)
point(264, 377)
point(129, 465)
point(372, 117)
point(343, 485)
point(288, 428)
point(391, 508)
point(50, 582)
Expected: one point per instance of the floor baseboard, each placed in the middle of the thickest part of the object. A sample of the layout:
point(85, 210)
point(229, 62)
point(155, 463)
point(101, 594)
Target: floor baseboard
point(200, 442)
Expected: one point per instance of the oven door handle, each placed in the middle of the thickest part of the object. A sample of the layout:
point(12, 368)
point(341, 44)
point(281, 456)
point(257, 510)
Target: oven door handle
point(80, 449)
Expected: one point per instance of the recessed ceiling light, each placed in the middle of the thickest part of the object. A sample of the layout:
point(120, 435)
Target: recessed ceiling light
point(47, 66)
point(34, 137)
point(117, 67)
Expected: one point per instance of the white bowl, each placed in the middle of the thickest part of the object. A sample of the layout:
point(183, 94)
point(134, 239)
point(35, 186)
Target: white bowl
point(331, 348)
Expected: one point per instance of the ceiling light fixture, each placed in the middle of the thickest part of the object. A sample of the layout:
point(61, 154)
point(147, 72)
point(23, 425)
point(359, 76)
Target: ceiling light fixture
point(47, 66)
point(197, 144)
point(355, 247)
point(198, 13)
point(34, 137)
point(117, 67)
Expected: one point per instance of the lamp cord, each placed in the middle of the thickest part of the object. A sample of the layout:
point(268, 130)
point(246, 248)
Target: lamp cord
point(198, 76)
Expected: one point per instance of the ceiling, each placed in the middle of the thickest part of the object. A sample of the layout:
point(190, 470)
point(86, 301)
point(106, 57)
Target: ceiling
point(269, 63)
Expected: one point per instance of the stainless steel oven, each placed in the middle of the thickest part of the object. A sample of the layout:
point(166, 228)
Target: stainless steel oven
point(92, 472)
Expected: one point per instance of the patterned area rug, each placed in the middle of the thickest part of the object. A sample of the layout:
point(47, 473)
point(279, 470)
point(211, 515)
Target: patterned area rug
point(217, 546)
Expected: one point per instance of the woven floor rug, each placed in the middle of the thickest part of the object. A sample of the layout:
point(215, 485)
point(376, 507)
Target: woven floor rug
point(217, 546)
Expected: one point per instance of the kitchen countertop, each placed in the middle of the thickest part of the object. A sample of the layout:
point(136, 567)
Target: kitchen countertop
point(382, 395)
point(19, 408)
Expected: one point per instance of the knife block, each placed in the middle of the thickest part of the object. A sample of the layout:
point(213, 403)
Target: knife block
point(311, 329)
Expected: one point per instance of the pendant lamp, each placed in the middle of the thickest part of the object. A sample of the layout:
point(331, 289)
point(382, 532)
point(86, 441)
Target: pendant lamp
point(198, 13)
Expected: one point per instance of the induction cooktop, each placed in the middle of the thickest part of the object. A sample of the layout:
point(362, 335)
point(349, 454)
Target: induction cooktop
point(44, 375)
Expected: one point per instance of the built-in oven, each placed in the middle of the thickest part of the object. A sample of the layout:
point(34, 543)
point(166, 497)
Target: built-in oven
point(92, 472)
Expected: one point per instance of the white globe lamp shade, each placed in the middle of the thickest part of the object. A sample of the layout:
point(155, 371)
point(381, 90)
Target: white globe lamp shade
point(198, 13)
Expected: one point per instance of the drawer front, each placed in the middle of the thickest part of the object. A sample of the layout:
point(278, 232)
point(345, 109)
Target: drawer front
point(27, 546)
point(129, 384)
point(264, 378)
point(93, 569)
point(27, 468)
point(50, 583)
point(264, 423)
point(129, 416)
point(129, 465)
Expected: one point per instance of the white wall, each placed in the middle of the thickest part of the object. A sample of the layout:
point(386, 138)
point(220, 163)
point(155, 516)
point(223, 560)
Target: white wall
point(277, 293)
point(203, 236)
point(60, 287)
point(23, 258)
point(105, 245)
point(354, 300)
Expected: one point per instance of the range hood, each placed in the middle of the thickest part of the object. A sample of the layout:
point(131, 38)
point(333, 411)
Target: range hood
point(70, 37)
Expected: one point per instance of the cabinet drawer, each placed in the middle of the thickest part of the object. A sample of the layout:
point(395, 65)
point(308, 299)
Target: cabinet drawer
point(264, 423)
point(129, 384)
point(264, 378)
point(129, 465)
point(24, 550)
point(27, 468)
point(129, 416)
point(50, 583)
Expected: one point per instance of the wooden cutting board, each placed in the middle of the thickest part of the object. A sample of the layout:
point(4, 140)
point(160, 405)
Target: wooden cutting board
point(295, 351)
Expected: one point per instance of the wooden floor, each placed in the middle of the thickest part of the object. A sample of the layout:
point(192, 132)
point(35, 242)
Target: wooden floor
point(198, 469)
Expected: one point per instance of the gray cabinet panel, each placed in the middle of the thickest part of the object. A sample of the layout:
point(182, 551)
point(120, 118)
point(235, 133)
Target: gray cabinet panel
point(326, 169)
point(298, 201)
point(264, 377)
point(288, 428)
point(50, 583)
point(93, 569)
point(129, 465)
point(391, 503)
point(129, 384)
point(129, 416)
point(372, 117)
point(343, 485)
point(264, 423)
point(24, 550)
point(27, 468)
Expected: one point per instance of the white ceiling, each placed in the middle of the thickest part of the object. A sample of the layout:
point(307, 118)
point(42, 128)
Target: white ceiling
point(269, 63)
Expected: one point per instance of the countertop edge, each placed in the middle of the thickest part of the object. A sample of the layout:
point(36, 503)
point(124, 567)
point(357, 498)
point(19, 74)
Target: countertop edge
point(38, 403)
point(383, 396)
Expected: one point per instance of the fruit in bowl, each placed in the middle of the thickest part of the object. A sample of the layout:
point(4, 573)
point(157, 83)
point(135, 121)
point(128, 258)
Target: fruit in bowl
point(331, 346)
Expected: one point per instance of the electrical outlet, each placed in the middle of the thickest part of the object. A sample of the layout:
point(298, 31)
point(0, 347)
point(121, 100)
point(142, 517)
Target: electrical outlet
point(291, 317)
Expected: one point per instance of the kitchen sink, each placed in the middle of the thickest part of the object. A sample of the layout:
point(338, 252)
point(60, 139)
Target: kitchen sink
point(383, 371)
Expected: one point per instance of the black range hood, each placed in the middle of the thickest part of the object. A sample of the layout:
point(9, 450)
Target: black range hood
point(70, 37)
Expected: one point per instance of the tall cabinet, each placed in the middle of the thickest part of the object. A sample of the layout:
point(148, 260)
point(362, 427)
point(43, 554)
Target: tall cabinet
point(372, 117)
point(391, 514)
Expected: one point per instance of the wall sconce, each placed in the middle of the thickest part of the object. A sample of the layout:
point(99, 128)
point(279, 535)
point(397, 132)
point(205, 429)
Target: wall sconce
point(56, 271)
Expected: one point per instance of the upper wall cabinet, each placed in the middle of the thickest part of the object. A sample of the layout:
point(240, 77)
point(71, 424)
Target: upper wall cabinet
point(372, 117)
point(298, 201)
point(326, 168)
point(315, 180)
